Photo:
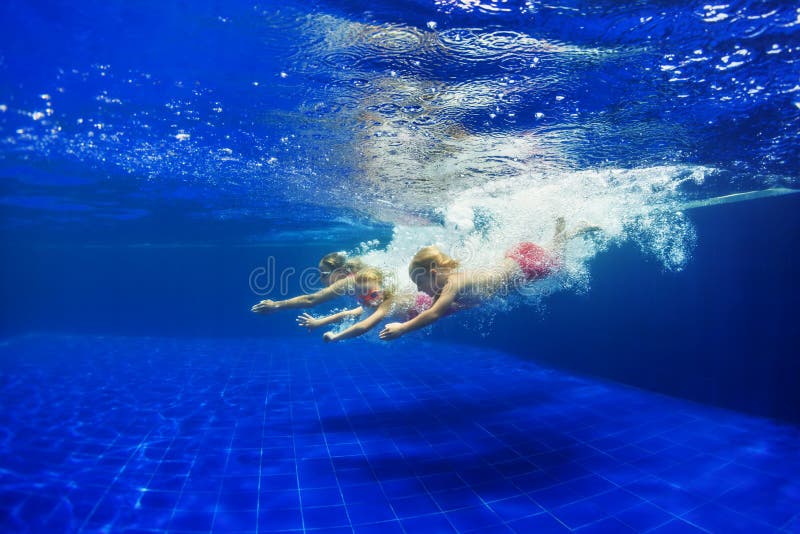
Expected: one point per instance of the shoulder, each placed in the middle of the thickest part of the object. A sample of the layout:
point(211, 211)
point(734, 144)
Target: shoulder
point(462, 279)
point(345, 284)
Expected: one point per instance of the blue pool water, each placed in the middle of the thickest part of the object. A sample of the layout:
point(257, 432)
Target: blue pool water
point(165, 166)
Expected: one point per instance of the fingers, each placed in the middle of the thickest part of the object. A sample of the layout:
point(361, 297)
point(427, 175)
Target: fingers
point(385, 334)
point(260, 307)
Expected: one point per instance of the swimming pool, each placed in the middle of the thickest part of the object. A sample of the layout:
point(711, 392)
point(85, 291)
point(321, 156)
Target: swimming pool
point(163, 167)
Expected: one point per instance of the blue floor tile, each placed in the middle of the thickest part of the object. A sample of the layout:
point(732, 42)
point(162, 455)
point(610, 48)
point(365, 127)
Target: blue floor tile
point(403, 487)
point(644, 516)
point(385, 527)
point(430, 523)
point(467, 519)
point(716, 518)
point(234, 521)
point(322, 497)
point(515, 508)
point(455, 499)
point(579, 514)
point(773, 500)
point(371, 513)
point(541, 523)
point(325, 517)
point(279, 518)
point(606, 526)
point(351, 440)
point(615, 501)
point(670, 497)
point(192, 520)
point(420, 504)
point(677, 526)
point(793, 525)
point(555, 496)
point(536, 481)
point(363, 493)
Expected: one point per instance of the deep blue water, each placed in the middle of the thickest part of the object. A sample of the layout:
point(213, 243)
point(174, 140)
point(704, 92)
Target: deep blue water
point(154, 155)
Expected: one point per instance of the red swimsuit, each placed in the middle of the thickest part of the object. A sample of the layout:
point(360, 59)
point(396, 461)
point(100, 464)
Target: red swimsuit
point(534, 261)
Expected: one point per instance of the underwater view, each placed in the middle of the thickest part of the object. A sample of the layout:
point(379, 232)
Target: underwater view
point(406, 266)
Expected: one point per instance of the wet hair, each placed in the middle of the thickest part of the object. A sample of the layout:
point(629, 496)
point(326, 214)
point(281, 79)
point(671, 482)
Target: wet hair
point(338, 261)
point(334, 260)
point(428, 258)
point(371, 275)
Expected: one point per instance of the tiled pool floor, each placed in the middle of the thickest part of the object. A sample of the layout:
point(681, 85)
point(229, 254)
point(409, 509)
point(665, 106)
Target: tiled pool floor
point(144, 435)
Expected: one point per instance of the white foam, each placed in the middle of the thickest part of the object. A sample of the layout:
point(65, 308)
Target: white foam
point(481, 223)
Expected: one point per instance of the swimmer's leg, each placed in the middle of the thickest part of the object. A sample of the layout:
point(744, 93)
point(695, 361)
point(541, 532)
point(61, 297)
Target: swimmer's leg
point(584, 229)
point(561, 225)
point(561, 236)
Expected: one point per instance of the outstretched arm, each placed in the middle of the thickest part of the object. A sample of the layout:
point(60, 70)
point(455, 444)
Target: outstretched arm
point(429, 316)
point(336, 289)
point(310, 322)
point(361, 327)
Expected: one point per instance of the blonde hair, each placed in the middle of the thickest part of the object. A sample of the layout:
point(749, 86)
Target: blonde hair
point(338, 261)
point(428, 258)
point(371, 275)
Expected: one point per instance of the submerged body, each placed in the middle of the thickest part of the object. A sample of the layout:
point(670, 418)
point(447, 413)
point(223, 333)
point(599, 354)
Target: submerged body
point(379, 299)
point(451, 288)
point(336, 271)
point(402, 306)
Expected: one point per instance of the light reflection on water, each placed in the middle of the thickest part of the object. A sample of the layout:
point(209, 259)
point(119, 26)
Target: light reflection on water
point(392, 115)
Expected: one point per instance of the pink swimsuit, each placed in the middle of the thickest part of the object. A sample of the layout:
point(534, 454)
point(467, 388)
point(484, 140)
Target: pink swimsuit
point(534, 261)
point(421, 303)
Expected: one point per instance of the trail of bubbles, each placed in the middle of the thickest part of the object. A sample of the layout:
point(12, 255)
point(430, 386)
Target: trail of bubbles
point(481, 223)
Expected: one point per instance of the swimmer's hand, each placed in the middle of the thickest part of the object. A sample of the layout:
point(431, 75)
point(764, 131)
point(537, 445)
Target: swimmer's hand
point(265, 306)
point(328, 336)
point(392, 331)
point(307, 321)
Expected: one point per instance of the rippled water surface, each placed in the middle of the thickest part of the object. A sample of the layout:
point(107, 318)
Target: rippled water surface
point(292, 115)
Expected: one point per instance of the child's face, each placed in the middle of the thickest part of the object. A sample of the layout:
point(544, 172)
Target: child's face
point(369, 294)
point(427, 282)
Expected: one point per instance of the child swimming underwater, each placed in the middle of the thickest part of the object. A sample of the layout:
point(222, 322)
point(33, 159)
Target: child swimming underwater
point(336, 271)
point(374, 294)
point(437, 274)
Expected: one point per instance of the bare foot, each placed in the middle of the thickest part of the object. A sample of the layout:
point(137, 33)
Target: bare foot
point(561, 225)
point(585, 229)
